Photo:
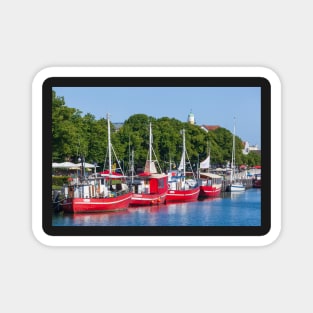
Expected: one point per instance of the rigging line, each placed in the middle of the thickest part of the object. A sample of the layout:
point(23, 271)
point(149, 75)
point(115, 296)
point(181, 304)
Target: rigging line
point(105, 159)
point(156, 159)
point(193, 174)
point(117, 160)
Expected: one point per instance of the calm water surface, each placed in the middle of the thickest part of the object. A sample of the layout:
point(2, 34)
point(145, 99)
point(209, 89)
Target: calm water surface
point(231, 209)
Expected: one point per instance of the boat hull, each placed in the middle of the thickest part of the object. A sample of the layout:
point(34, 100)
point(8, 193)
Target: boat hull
point(182, 195)
point(210, 191)
point(236, 188)
point(90, 205)
point(257, 184)
point(147, 199)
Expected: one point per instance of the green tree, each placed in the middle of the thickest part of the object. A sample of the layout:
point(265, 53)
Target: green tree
point(64, 129)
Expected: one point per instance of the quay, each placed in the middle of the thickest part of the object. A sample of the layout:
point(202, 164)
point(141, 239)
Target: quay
point(246, 178)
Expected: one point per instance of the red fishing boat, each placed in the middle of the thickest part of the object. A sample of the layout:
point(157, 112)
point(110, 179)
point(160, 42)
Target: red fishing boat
point(181, 191)
point(96, 204)
point(210, 184)
point(149, 187)
point(180, 187)
point(98, 192)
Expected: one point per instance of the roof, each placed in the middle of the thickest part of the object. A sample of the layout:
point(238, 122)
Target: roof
point(211, 127)
point(209, 175)
point(151, 175)
point(158, 175)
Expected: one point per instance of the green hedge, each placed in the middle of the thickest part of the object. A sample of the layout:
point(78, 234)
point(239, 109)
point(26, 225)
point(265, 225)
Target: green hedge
point(59, 180)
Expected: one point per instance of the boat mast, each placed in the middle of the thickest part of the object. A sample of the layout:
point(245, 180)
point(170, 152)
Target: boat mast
point(233, 151)
point(170, 164)
point(132, 166)
point(150, 148)
point(184, 153)
point(129, 155)
point(109, 144)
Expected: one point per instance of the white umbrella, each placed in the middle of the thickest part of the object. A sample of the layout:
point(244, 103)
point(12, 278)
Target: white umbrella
point(87, 165)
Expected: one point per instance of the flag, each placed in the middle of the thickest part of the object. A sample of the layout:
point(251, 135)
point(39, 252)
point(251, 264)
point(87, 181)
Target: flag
point(205, 163)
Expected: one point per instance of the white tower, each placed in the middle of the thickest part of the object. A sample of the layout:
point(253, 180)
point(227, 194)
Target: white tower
point(191, 118)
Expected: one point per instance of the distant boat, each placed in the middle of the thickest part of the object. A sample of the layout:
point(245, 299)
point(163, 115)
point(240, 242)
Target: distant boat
point(181, 188)
point(149, 187)
point(234, 186)
point(98, 192)
point(210, 184)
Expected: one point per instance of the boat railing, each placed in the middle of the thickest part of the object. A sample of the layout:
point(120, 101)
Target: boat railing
point(113, 194)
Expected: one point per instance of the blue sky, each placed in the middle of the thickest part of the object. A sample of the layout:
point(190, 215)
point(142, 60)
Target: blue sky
point(210, 105)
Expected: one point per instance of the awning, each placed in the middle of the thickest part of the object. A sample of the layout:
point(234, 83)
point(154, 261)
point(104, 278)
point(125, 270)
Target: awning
point(65, 165)
point(219, 169)
point(209, 175)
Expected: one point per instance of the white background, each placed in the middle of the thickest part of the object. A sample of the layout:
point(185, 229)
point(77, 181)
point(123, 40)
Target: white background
point(37, 34)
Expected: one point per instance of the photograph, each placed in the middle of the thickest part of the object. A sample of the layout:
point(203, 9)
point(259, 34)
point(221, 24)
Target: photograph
point(156, 156)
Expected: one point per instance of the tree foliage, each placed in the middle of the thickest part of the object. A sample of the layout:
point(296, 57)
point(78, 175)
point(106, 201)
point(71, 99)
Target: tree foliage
point(75, 135)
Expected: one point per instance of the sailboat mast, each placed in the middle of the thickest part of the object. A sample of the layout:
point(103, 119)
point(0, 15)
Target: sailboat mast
point(170, 164)
point(184, 152)
point(109, 145)
point(234, 156)
point(132, 166)
point(150, 148)
point(129, 155)
point(233, 151)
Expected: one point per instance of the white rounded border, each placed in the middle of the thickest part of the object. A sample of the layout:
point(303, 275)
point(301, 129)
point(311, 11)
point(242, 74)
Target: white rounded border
point(263, 72)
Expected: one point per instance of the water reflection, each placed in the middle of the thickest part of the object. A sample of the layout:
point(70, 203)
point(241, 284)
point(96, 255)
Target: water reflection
point(230, 209)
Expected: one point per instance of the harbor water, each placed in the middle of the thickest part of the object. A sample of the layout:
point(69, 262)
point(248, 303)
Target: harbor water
point(230, 209)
